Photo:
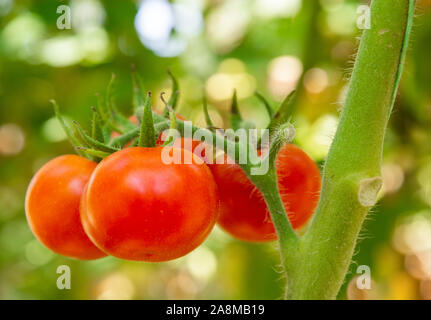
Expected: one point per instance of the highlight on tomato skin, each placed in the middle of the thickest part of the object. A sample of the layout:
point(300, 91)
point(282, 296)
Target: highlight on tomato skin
point(243, 211)
point(52, 207)
point(138, 208)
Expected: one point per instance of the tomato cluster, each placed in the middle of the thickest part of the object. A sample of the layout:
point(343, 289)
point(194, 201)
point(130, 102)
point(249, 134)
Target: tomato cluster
point(134, 206)
point(130, 205)
point(243, 211)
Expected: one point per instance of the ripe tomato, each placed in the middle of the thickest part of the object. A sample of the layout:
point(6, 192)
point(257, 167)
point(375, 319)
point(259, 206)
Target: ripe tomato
point(138, 208)
point(243, 211)
point(52, 206)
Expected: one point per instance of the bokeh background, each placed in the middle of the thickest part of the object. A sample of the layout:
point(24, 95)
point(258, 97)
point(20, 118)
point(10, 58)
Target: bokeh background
point(213, 46)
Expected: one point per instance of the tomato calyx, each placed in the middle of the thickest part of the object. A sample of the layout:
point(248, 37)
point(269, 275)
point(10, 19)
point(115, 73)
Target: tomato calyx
point(138, 130)
point(111, 131)
point(146, 124)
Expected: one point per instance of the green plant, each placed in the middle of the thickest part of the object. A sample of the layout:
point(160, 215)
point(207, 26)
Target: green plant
point(316, 263)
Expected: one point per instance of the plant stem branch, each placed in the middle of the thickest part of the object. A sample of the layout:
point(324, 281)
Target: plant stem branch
point(351, 178)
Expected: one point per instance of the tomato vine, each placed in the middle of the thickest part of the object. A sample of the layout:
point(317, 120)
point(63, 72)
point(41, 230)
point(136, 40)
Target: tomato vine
point(316, 263)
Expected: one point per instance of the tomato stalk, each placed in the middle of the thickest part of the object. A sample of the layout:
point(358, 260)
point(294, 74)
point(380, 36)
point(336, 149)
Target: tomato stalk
point(351, 178)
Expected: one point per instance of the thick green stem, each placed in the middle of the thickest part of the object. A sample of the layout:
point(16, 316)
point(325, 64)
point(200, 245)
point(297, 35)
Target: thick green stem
point(351, 176)
point(287, 238)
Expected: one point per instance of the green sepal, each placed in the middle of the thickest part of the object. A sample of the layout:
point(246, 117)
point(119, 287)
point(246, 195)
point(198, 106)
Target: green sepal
point(96, 126)
point(70, 135)
point(283, 114)
point(146, 133)
point(265, 102)
point(122, 140)
point(173, 100)
point(172, 126)
point(206, 113)
point(235, 116)
point(101, 108)
point(92, 152)
point(93, 143)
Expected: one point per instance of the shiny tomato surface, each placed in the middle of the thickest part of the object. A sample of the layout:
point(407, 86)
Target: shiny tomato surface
point(52, 206)
point(138, 208)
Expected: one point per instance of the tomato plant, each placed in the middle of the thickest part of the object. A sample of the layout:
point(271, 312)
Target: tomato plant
point(52, 206)
point(138, 208)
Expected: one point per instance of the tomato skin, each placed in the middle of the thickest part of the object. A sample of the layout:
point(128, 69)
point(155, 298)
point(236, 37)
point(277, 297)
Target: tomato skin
point(299, 183)
point(243, 211)
point(138, 208)
point(52, 207)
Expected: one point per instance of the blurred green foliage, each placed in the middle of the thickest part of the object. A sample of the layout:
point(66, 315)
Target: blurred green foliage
point(215, 45)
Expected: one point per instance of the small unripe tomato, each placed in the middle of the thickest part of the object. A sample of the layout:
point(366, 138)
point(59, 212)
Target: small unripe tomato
point(136, 207)
point(52, 206)
point(243, 211)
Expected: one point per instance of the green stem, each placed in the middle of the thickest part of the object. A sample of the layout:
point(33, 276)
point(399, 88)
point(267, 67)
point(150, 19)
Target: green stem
point(287, 238)
point(351, 176)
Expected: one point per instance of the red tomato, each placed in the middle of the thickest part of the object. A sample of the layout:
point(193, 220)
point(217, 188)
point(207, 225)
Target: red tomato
point(52, 206)
point(138, 208)
point(243, 211)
